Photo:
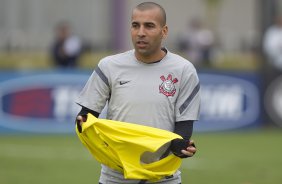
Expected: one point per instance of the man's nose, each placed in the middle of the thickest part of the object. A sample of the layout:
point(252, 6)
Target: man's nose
point(141, 31)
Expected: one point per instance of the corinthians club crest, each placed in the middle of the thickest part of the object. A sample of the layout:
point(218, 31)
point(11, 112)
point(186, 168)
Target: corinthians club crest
point(167, 87)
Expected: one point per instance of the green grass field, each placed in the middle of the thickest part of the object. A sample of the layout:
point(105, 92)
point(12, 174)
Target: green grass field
point(250, 157)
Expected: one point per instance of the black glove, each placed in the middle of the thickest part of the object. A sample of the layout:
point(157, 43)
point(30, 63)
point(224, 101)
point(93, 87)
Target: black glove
point(179, 144)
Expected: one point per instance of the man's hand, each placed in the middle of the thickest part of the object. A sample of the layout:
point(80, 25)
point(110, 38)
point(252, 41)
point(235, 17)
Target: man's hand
point(190, 150)
point(183, 148)
point(79, 120)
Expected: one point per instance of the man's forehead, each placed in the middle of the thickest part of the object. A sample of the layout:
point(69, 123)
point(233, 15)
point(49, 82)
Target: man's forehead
point(149, 15)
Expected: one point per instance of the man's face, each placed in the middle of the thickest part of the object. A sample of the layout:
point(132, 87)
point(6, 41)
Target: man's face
point(147, 32)
point(63, 32)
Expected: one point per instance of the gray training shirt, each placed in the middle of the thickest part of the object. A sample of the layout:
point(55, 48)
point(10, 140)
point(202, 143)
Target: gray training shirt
point(156, 94)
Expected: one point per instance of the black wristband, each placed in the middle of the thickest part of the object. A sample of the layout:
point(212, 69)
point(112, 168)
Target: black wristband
point(83, 112)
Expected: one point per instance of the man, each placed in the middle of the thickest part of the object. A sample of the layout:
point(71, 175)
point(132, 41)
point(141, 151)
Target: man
point(67, 48)
point(272, 43)
point(197, 42)
point(148, 85)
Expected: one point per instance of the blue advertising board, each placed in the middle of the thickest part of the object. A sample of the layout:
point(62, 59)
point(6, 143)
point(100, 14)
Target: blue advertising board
point(230, 100)
point(273, 100)
point(43, 102)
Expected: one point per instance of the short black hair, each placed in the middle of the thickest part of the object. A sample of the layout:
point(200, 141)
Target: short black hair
point(151, 5)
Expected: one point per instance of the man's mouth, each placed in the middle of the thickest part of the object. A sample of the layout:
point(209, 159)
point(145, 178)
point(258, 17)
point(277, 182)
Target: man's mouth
point(141, 44)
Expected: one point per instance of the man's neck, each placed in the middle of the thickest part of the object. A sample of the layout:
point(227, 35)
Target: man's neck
point(152, 59)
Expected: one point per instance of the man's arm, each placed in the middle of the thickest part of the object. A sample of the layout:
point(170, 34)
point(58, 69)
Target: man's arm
point(184, 129)
point(183, 147)
point(85, 111)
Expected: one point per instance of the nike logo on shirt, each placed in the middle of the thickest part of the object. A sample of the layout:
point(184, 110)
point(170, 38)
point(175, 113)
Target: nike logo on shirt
point(123, 82)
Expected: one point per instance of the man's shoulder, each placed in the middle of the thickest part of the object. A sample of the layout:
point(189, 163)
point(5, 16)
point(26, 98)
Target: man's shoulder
point(119, 56)
point(116, 59)
point(179, 60)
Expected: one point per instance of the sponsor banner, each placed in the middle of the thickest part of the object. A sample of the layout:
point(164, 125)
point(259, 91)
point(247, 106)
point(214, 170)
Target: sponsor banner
point(43, 102)
point(273, 100)
point(229, 101)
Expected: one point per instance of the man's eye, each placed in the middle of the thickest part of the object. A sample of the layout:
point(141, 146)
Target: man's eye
point(134, 25)
point(150, 25)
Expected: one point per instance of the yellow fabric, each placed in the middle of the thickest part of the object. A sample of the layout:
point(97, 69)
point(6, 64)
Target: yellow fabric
point(119, 145)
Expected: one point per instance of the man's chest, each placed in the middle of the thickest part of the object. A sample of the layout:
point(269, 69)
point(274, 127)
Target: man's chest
point(147, 86)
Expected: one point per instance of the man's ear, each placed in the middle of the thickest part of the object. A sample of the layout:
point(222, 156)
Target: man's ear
point(165, 32)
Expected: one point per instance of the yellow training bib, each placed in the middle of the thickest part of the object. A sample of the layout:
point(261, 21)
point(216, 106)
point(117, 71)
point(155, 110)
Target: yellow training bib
point(120, 145)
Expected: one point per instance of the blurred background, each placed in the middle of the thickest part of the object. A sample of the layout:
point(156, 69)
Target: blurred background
point(49, 48)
